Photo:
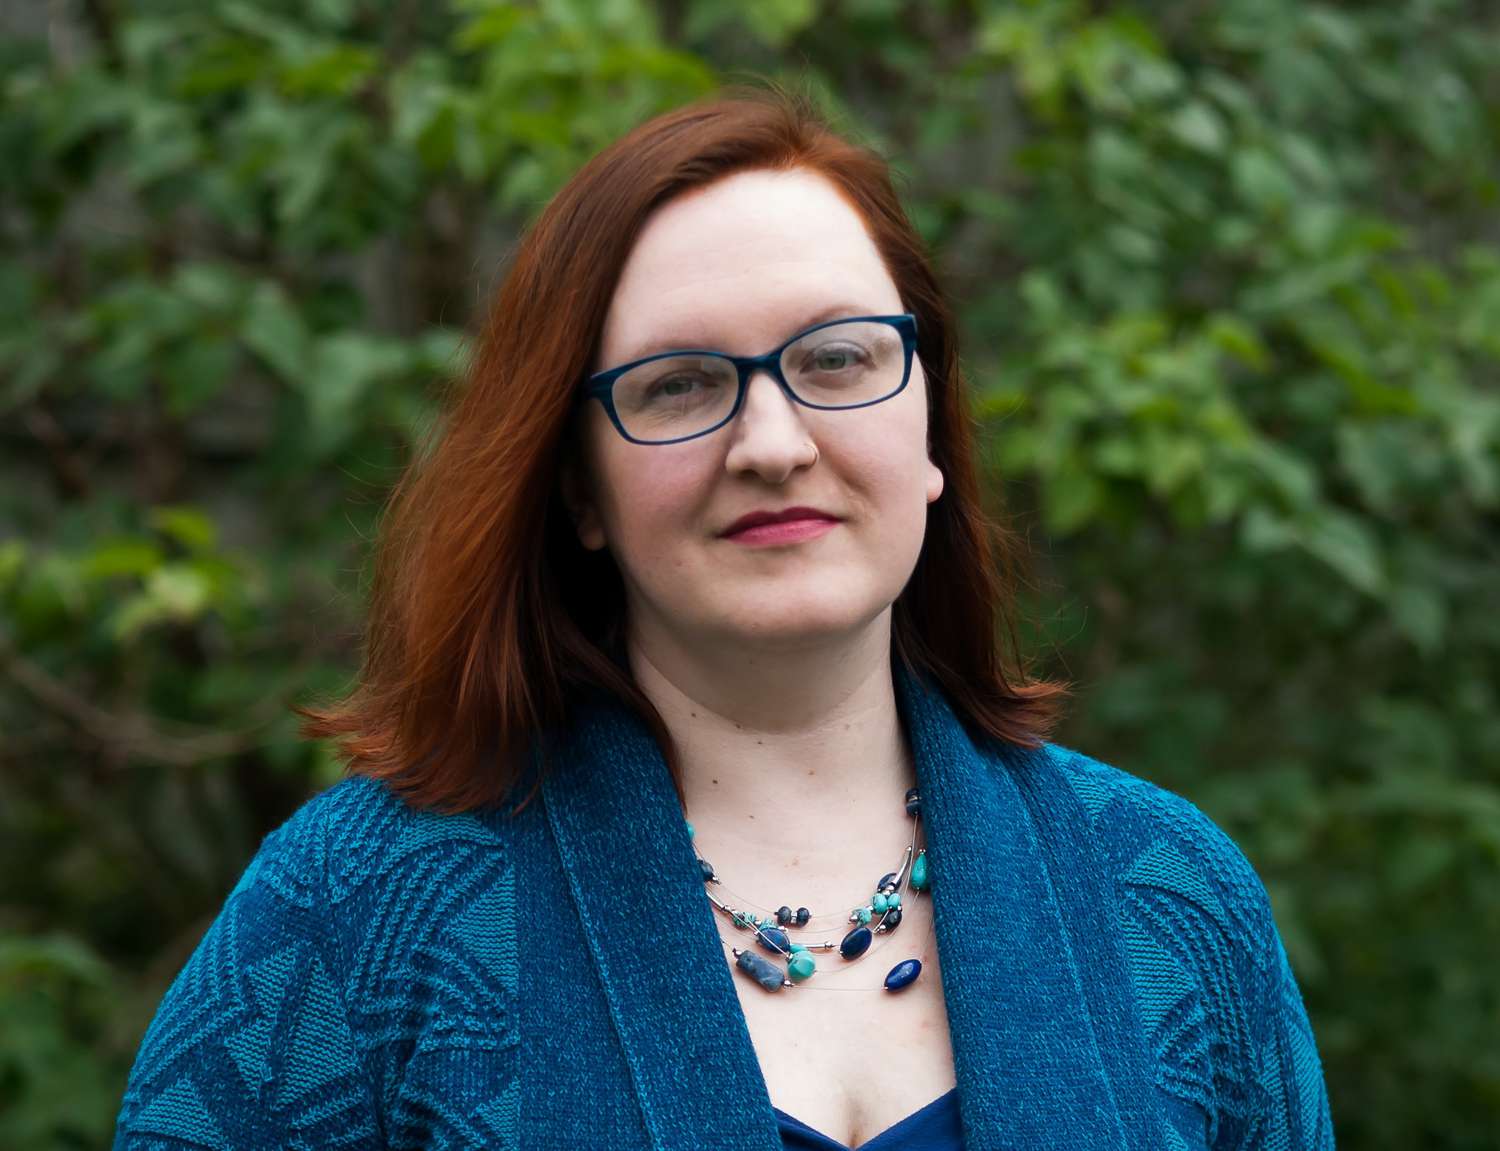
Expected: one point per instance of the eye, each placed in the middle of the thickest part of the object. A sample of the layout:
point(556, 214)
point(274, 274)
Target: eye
point(681, 385)
point(835, 357)
point(669, 385)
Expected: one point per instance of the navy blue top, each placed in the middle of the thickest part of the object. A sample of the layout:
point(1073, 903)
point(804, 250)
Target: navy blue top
point(935, 1127)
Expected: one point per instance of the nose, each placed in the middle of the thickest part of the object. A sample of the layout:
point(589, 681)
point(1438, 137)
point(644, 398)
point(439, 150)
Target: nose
point(768, 435)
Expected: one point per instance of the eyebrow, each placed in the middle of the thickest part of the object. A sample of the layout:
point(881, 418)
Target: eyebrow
point(678, 341)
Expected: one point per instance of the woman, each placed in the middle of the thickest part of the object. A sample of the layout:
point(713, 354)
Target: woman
point(698, 574)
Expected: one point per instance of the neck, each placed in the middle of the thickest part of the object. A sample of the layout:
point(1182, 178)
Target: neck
point(794, 765)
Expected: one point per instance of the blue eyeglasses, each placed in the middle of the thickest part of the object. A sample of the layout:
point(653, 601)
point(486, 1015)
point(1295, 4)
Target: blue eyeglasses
point(686, 393)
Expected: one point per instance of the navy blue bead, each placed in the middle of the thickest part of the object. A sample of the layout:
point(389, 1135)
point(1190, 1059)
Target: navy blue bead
point(707, 868)
point(856, 943)
point(903, 973)
point(892, 919)
point(767, 974)
point(886, 880)
point(784, 915)
point(803, 915)
point(774, 940)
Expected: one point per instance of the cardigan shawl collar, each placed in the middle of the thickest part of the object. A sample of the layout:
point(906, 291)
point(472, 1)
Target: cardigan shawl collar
point(1043, 1056)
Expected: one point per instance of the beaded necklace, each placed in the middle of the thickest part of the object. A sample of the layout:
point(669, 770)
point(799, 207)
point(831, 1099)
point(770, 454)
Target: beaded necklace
point(773, 936)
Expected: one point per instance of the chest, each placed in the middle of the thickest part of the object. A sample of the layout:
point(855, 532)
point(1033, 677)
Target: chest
point(848, 1057)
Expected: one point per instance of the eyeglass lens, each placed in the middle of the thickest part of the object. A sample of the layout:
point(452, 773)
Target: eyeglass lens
point(840, 365)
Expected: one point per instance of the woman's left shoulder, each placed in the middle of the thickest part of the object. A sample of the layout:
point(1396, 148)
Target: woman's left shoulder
point(1154, 837)
point(1216, 993)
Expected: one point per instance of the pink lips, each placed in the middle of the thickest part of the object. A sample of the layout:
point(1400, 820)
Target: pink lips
point(783, 531)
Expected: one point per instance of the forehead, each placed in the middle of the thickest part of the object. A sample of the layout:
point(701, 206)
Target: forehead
point(742, 264)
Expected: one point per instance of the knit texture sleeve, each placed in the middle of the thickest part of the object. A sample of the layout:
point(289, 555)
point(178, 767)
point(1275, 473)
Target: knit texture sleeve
point(251, 1045)
point(1296, 1114)
point(1235, 1058)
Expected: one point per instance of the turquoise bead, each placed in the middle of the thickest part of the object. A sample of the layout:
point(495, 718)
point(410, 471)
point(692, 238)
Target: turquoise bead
point(878, 904)
point(919, 872)
point(862, 914)
point(690, 831)
point(893, 901)
point(800, 966)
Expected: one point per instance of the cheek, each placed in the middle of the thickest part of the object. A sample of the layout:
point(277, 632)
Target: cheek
point(654, 496)
point(895, 467)
point(891, 453)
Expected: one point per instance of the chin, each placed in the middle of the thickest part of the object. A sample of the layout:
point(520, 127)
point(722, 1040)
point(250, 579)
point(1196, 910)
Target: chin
point(783, 626)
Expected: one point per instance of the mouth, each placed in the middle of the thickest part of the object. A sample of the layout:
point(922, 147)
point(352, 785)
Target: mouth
point(780, 532)
point(761, 516)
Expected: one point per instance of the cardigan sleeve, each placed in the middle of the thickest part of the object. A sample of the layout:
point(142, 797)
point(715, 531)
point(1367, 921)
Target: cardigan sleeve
point(251, 1045)
point(1296, 1112)
point(1233, 1051)
point(1267, 1090)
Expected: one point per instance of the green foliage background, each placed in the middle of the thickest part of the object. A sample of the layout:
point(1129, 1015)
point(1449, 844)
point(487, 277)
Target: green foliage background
point(1229, 276)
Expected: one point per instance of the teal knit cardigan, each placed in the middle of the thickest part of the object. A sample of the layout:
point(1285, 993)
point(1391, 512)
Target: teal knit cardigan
point(383, 977)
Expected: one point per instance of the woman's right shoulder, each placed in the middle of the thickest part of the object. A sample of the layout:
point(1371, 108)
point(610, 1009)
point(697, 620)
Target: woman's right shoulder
point(290, 1023)
point(358, 832)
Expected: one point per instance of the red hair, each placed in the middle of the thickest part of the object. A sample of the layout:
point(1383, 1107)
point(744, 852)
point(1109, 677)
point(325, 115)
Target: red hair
point(485, 609)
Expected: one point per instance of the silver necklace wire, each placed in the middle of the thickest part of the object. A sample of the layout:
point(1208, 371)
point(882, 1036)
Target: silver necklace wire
point(895, 893)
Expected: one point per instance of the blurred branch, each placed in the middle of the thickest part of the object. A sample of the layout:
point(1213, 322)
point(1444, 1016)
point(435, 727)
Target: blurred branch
point(66, 466)
point(100, 17)
point(123, 734)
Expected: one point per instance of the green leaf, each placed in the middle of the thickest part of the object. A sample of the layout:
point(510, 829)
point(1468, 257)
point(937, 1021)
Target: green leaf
point(190, 527)
point(12, 560)
point(345, 367)
point(125, 557)
point(1198, 126)
point(1421, 615)
point(1260, 180)
point(1072, 497)
point(194, 373)
point(334, 70)
point(1348, 546)
point(211, 287)
point(1240, 340)
point(1263, 531)
point(273, 330)
point(176, 593)
point(53, 955)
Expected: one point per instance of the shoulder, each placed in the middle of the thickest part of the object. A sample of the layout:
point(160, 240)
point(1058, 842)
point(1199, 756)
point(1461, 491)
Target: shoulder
point(1197, 935)
point(356, 866)
point(358, 832)
point(1153, 839)
point(287, 1025)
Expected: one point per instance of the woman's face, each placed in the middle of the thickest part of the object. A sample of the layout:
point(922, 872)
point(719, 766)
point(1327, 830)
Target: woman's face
point(739, 267)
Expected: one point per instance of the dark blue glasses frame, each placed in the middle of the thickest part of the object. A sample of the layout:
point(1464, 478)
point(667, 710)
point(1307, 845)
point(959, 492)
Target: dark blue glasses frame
point(601, 384)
